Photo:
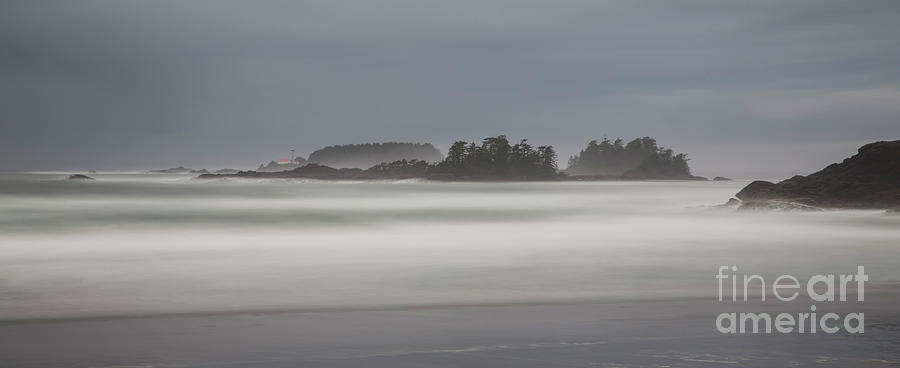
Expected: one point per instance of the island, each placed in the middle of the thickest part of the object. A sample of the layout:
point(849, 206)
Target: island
point(641, 158)
point(496, 159)
point(370, 154)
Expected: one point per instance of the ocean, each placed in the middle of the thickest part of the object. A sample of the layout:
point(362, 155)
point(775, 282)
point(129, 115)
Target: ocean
point(137, 269)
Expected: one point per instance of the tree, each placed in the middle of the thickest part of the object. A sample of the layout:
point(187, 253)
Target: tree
point(456, 156)
point(547, 159)
point(496, 159)
point(617, 158)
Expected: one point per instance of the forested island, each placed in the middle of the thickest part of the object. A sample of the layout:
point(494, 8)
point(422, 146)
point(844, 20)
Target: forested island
point(370, 154)
point(496, 159)
point(642, 158)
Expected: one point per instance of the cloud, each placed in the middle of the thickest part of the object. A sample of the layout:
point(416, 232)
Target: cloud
point(881, 102)
point(110, 84)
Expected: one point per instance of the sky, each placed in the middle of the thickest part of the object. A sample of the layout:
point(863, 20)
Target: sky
point(745, 88)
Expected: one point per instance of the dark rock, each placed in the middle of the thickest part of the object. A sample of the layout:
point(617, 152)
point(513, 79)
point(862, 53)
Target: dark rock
point(758, 189)
point(869, 179)
point(388, 171)
point(310, 171)
point(774, 205)
point(733, 202)
point(80, 177)
point(721, 178)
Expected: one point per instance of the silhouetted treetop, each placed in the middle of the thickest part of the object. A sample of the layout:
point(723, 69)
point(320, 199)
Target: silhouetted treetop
point(640, 158)
point(495, 158)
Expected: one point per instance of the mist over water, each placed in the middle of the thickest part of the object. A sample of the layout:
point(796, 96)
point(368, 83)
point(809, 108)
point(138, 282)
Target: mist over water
point(135, 244)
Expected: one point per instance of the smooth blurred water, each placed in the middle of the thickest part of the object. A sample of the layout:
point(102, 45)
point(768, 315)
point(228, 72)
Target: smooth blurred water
point(134, 244)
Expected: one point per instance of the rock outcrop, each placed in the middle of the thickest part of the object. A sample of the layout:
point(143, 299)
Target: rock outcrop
point(868, 179)
point(394, 170)
point(309, 171)
point(775, 205)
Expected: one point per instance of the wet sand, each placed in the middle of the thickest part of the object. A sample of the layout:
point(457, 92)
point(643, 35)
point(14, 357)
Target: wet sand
point(654, 333)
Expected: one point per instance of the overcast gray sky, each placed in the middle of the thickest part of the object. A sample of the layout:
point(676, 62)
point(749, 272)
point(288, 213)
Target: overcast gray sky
point(766, 87)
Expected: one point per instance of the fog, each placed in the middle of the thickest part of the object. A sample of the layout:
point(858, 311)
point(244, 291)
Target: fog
point(139, 244)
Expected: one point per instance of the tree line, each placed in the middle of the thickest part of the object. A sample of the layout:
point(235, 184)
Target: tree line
point(496, 158)
point(641, 157)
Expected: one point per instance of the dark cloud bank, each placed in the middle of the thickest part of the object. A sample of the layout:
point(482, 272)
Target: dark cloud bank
point(761, 87)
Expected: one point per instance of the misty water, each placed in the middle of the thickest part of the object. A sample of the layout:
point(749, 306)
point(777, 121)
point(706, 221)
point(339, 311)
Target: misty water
point(156, 244)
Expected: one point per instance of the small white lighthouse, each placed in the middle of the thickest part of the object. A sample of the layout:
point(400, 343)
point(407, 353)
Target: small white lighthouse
point(286, 161)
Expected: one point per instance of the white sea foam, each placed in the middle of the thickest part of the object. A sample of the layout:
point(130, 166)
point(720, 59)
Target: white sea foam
point(136, 244)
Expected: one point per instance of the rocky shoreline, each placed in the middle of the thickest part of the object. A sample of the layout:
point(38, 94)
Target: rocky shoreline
point(869, 179)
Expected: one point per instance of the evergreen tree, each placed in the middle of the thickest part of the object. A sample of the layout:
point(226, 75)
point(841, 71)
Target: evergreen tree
point(639, 157)
point(496, 159)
